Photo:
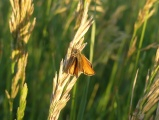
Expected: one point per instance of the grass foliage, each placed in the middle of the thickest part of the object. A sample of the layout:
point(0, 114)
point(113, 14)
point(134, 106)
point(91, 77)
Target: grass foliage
point(122, 44)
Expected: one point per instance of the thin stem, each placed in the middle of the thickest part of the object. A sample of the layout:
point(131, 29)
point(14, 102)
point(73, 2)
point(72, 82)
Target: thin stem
point(133, 37)
point(73, 105)
point(11, 109)
point(140, 43)
point(132, 92)
point(84, 98)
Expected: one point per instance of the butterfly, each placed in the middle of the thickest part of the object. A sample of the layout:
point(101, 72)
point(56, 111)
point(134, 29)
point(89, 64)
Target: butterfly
point(78, 63)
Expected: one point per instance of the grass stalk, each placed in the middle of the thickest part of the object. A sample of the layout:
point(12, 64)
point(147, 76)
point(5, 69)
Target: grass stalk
point(20, 28)
point(132, 93)
point(86, 87)
point(146, 104)
point(63, 82)
point(143, 15)
point(83, 101)
point(73, 103)
point(140, 42)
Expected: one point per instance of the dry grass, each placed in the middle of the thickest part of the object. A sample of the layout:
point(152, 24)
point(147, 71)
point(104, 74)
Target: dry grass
point(144, 109)
point(147, 103)
point(63, 83)
point(21, 29)
point(143, 15)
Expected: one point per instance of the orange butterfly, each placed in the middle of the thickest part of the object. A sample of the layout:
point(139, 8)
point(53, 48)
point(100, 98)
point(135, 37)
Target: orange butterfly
point(78, 63)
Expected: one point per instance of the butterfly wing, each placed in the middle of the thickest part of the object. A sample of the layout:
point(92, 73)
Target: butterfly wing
point(86, 66)
point(76, 69)
point(71, 65)
point(79, 63)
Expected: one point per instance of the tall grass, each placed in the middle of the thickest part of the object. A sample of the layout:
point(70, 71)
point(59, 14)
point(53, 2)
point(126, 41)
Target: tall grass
point(20, 28)
point(122, 44)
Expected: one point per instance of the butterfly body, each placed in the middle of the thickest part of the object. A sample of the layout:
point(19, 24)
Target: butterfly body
point(78, 63)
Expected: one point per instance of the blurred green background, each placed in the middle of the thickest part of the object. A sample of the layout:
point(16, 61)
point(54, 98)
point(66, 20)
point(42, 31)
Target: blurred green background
point(110, 88)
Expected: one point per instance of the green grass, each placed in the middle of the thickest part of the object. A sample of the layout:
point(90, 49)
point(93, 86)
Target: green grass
point(113, 34)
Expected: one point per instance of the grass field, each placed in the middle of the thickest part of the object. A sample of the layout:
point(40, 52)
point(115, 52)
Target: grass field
point(122, 45)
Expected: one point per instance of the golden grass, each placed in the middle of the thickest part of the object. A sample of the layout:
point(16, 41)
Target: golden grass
point(144, 108)
point(63, 83)
point(109, 89)
point(143, 15)
point(21, 29)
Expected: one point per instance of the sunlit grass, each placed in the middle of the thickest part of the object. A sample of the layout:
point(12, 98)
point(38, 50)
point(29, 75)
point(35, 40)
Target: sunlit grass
point(125, 36)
